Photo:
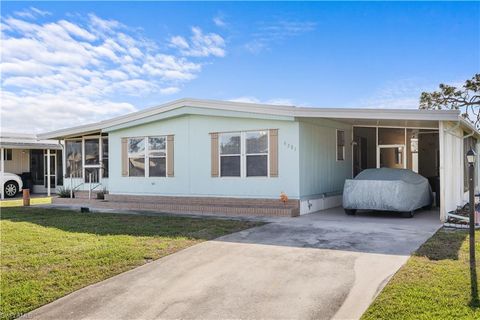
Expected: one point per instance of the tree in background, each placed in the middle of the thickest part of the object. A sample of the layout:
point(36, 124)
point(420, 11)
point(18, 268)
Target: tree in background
point(466, 98)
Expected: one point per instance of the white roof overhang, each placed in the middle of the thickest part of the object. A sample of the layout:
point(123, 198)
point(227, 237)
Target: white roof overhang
point(354, 116)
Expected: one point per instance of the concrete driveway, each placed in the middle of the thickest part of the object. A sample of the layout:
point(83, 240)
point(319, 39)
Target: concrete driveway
point(319, 266)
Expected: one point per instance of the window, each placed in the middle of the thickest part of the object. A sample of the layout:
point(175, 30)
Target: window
point(230, 155)
point(147, 157)
point(7, 154)
point(37, 166)
point(257, 153)
point(136, 157)
point(340, 145)
point(105, 157)
point(92, 152)
point(399, 155)
point(73, 158)
point(244, 154)
point(157, 157)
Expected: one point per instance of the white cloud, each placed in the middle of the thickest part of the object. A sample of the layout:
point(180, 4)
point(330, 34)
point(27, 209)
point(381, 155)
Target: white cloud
point(169, 90)
point(219, 21)
point(179, 42)
point(274, 101)
point(62, 73)
point(398, 94)
point(268, 34)
point(200, 44)
point(47, 111)
point(32, 13)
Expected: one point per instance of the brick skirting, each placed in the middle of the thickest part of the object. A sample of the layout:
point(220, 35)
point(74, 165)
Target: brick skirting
point(193, 205)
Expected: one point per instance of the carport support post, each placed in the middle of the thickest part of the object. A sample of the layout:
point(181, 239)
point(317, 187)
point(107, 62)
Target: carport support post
point(473, 269)
point(2, 169)
point(48, 173)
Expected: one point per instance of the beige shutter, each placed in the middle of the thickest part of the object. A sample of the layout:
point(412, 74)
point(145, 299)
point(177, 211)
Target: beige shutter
point(273, 152)
point(124, 157)
point(170, 155)
point(214, 154)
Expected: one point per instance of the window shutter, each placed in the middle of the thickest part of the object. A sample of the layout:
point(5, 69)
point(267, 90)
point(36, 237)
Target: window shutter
point(124, 157)
point(170, 155)
point(273, 152)
point(214, 154)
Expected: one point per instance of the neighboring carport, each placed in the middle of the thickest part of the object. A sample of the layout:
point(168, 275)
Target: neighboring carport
point(40, 159)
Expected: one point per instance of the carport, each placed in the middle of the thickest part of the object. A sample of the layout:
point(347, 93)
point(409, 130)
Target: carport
point(433, 146)
point(40, 160)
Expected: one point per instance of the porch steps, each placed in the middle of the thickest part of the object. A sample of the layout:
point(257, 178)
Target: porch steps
point(84, 194)
point(192, 205)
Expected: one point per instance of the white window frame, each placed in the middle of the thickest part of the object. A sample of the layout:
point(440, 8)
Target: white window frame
point(243, 155)
point(92, 166)
point(5, 154)
point(147, 156)
point(146, 159)
point(336, 145)
point(81, 140)
point(388, 146)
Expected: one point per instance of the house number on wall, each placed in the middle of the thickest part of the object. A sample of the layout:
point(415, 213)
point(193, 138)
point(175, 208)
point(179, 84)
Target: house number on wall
point(289, 146)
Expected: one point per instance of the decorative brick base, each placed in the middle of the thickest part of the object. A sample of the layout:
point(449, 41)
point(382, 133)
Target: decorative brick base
point(193, 205)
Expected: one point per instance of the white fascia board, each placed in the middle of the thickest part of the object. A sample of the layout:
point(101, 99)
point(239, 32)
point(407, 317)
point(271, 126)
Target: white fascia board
point(289, 111)
point(469, 127)
point(379, 114)
point(207, 104)
point(196, 111)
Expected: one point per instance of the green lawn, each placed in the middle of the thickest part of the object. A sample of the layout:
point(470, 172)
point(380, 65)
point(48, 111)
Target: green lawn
point(434, 284)
point(46, 254)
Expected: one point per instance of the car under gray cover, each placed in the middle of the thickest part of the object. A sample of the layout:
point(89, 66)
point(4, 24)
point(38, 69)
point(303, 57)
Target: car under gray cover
point(387, 189)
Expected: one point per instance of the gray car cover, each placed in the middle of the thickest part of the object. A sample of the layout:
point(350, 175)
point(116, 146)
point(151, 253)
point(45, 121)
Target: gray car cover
point(387, 189)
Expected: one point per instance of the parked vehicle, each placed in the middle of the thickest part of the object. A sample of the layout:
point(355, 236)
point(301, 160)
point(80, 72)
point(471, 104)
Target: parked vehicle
point(386, 189)
point(12, 184)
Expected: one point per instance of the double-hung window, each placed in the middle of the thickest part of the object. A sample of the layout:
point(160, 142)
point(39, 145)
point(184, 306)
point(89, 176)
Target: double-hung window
point(7, 154)
point(244, 154)
point(136, 157)
point(157, 157)
point(147, 156)
point(230, 154)
point(256, 143)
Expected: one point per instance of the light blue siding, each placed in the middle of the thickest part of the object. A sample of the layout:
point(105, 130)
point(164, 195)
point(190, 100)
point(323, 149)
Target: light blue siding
point(192, 159)
point(320, 172)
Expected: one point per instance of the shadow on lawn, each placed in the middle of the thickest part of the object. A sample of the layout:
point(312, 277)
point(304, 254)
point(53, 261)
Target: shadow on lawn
point(435, 248)
point(125, 224)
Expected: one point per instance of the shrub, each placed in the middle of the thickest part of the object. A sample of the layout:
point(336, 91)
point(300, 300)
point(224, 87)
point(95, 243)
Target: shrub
point(64, 192)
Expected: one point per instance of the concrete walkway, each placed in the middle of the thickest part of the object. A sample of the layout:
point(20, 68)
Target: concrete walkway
point(320, 266)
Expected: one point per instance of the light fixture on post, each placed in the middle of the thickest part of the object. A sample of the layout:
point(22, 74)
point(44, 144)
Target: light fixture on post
point(471, 157)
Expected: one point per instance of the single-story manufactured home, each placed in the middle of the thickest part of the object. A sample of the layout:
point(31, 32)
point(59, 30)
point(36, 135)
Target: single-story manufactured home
point(221, 149)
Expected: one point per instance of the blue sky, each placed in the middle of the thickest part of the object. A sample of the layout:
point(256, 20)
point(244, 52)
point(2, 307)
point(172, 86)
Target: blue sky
point(70, 63)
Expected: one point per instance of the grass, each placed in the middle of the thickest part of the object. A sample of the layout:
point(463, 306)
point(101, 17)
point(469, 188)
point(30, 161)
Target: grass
point(46, 253)
point(433, 284)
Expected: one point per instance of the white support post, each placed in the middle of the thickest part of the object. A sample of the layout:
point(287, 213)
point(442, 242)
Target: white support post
point(90, 186)
point(2, 169)
point(441, 143)
point(48, 174)
point(71, 186)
